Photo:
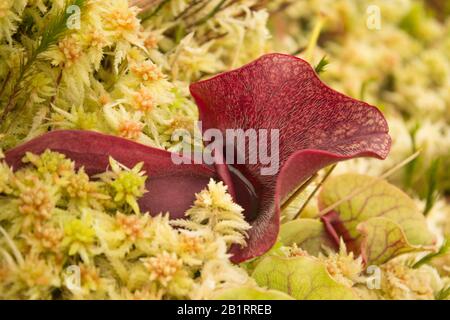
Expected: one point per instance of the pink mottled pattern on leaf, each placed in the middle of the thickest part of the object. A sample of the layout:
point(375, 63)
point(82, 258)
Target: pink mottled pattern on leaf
point(171, 188)
point(318, 126)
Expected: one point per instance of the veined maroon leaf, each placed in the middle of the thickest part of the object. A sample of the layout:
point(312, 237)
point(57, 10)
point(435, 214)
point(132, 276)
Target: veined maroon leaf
point(318, 126)
point(171, 188)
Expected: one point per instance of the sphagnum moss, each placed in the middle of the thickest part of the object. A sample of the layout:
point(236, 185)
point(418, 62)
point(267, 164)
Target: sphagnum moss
point(60, 231)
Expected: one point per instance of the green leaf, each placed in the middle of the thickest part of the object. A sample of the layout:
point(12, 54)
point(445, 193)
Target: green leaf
point(410, 168)
point(321, 66)
point(304, 278)
point(382, 239)
point(443, 250)
point(414, 20)
point(399, 226)
point(308, 234)
point(444, 294)
point(250, 293)
point(432, 187)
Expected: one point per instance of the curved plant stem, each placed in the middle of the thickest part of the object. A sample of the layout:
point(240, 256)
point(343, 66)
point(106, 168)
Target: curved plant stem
point(5, 82)
point(319, 185)
point(299, 190)
point(147, 15)
point(314, 37)
point(210, 15)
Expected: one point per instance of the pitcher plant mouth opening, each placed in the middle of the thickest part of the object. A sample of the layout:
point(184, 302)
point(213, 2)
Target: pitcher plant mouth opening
point(317, 127)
